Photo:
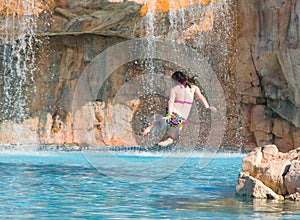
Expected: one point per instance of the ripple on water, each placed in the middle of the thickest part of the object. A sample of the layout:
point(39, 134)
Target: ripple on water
point(63, 185)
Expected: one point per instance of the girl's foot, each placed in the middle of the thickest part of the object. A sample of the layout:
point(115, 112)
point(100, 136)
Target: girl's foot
point(166, 142)
point(147, 130)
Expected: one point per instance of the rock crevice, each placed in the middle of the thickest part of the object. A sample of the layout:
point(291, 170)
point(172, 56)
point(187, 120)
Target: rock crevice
point(268, 46)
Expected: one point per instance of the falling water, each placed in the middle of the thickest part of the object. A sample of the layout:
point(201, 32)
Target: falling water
point(18, 59)
point(208, 29)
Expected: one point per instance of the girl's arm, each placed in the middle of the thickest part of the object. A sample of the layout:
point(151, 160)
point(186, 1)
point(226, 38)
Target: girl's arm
point(203, 100)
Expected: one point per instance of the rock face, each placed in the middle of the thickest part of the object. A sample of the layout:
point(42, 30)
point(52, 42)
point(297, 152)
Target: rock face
point(292, 179)
point(268, 72)
point(107, 18)
point(261, 83)
point(270, 174)
point(77, 32)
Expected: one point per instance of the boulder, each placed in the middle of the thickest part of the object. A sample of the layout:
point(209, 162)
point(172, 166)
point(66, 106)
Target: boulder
point(292, 178)
point(250, 187)
point(271, 174)
point(252, 161)
point(265, 165)
point(266, 172)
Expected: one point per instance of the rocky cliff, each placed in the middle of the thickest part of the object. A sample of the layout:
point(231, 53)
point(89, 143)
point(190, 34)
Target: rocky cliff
point(268, 72)
point(260, 82)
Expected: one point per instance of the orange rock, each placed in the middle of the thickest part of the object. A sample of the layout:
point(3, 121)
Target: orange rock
point(203, 2)
point(144, 10)
point(17, 7)
point(161, 6)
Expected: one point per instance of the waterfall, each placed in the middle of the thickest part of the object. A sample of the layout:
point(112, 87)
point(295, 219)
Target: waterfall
point(18, 59)
point(206, 27)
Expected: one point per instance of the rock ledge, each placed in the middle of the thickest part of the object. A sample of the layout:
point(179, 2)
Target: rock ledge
point(270, 174)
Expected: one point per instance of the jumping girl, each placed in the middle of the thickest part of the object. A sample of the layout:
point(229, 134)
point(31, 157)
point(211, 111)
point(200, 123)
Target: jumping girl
point(179, 106)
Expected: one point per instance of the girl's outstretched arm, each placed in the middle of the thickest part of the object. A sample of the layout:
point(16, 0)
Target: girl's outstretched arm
point(203, 100)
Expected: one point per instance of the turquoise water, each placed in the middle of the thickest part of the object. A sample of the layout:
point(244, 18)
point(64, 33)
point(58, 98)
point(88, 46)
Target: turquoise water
point(68, 185)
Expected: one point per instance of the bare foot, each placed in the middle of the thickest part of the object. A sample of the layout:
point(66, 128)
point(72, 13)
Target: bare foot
point(147, 130)
point(166, 142)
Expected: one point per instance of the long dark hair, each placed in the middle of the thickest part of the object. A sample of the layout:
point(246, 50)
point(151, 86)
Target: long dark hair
point(183, 79)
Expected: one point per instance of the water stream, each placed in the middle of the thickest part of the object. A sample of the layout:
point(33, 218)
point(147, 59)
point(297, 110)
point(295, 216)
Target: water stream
point(18, 59)
point(205, 29)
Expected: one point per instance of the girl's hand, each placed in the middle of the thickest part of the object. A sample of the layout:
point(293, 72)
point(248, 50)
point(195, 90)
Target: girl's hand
point(211, 108)
point(166, 118)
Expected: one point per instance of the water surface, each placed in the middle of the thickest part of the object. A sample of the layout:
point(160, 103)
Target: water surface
point(67, 185)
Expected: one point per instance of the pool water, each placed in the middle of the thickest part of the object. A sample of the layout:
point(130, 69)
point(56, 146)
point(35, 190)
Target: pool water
point(73, 185)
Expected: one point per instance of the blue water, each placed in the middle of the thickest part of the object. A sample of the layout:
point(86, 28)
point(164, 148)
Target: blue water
point(71, 185)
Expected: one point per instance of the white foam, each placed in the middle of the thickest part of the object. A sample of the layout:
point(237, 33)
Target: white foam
point(191, 154)
point(56, 150)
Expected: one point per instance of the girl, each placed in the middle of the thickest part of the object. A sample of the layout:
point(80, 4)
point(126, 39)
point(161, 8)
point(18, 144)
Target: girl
point(179, 107)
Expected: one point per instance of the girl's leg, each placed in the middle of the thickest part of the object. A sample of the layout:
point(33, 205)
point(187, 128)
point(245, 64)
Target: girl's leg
point(157, 125)
point(173, 134)
point(166, 142)
point(147, 130)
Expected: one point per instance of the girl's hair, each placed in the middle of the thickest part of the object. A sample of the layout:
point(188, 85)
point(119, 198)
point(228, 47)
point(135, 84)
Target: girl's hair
point(183, 79)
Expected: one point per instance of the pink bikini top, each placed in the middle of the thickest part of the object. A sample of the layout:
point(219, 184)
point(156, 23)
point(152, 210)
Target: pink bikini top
point(183, 102)
point(180, 101)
